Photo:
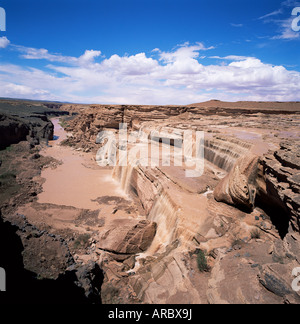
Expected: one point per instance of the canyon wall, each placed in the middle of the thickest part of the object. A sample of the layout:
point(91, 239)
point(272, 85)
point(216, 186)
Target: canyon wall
point(21, 120)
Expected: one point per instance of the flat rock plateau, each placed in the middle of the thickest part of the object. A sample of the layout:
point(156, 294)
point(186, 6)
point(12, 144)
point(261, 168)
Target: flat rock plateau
point(76, 228)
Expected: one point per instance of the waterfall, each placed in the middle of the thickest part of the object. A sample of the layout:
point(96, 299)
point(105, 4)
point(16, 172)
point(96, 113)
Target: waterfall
point(128, 158)
point(223, 152)
point(164, 214)
point(172, 221)
point(106, 155)
point(163, 211)
point(123, 174)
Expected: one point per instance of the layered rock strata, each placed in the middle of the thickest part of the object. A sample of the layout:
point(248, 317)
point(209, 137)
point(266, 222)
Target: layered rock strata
point(249, 175)
point(241, 215)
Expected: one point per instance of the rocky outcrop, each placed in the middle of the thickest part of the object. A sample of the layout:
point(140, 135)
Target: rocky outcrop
point(282, 172)
point(276, 278)
point(272, 183)
point(41, 129)
point(126, 236)
point(15, 129)
point(40, 269)
point(239, 187)
point(38, 261)
point(258, 272)
point(89, 277)
point(12, 130)
point(21, 120)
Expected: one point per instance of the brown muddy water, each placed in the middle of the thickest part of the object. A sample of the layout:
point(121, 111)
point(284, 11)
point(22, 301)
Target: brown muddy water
point(78, 180)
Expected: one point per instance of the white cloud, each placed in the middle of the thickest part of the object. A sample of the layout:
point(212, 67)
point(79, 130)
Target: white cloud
point(185, 51)
point(230, 57)
point(237, 25)
point(247, 63)
point(10, 89)
point(137, 64)
point(88, 57)
point(156, 50)
point(167, 77)
point(4, 42)
point(271, 14)
point(290, 3)
point(286, 31)
point(283, 20)
point(42, 54)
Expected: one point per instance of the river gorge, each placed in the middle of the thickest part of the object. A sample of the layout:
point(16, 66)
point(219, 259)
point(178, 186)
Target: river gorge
point(146, 225)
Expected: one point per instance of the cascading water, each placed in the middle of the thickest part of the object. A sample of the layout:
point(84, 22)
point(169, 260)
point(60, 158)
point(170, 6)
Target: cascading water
point(164, 214)
point(223, 152)
point(172, 223)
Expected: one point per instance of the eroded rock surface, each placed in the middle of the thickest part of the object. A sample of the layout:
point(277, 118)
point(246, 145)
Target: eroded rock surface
point(282, 170)
point(148, 245)
point(244, 227)
point(126, 236)
point(239, 187)
point(12, 131)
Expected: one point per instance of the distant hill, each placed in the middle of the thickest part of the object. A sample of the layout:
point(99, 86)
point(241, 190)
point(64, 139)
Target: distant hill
point(263, 105)
point(33, 100)
point(42, 106)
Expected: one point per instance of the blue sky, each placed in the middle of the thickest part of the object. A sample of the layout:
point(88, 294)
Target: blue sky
point(150, 51)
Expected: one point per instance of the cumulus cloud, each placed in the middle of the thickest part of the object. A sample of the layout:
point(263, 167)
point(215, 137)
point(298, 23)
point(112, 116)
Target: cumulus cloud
point(89, 56)
point(4, 42)
point(137, 64)
point(183, 52)
point(178, 76)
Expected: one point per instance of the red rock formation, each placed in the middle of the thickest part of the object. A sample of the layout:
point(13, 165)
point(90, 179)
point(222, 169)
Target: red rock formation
point(125, 236)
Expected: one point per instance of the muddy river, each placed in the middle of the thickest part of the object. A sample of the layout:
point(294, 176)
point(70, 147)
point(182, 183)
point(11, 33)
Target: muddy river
point(78, 180)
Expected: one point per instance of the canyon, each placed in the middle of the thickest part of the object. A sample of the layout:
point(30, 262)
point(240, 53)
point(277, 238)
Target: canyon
point(135, 232)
